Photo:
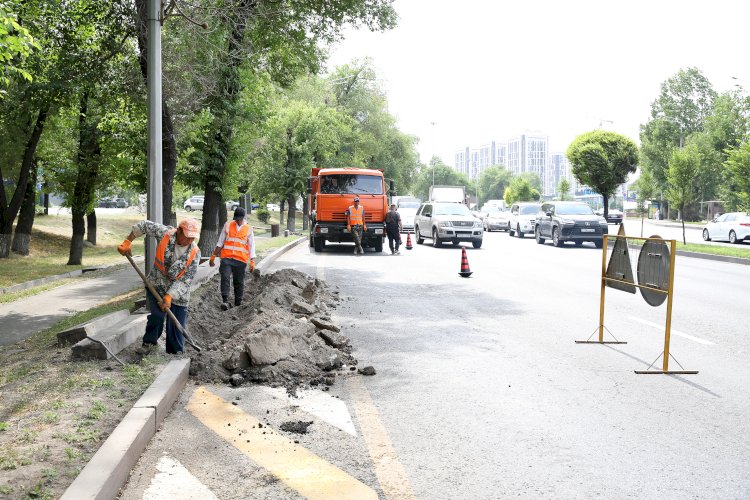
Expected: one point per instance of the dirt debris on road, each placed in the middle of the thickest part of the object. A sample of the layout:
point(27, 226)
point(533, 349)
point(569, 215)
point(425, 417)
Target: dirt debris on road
point(282, 334)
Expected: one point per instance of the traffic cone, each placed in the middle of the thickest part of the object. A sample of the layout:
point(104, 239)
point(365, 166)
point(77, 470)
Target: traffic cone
point(465, 271)
point(408, 241)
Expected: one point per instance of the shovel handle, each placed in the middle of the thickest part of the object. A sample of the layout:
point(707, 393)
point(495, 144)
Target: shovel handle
point(161, 301)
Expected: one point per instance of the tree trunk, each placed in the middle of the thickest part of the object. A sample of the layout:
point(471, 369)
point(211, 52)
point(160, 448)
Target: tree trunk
point(168, 141)
point(305, 212)
point(209, 222)
point(91, 227)
point(22, 236)
point(605, 200)
point(282, 206)
point(75, 257)
point(9, 210)
point(222, 212)
point(46, 203)
point(292, 216)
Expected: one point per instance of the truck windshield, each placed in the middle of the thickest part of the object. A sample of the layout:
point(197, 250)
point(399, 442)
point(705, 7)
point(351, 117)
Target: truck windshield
point(351, 184)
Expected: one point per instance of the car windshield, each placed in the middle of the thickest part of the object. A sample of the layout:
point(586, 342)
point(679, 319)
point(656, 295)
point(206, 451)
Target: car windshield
point(573, 209)
point(351, 184)
point(452, 209)
point(529, 209)
point(408, 204)
point(490, 208)
point(406, 210)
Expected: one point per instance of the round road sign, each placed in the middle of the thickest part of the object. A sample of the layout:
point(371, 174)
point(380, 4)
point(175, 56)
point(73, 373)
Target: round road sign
point(653, 270)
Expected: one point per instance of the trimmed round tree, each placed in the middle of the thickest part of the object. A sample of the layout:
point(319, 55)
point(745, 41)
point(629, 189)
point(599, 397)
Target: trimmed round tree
point(602, 160)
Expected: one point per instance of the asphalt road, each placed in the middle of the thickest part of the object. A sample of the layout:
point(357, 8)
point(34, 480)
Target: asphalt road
point(482, 393)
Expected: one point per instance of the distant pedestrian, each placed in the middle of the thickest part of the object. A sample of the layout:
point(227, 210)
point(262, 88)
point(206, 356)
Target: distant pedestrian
point(355, 223)
point(393, 229)
point(236, 246)
point(657, 214)
point(175, 265)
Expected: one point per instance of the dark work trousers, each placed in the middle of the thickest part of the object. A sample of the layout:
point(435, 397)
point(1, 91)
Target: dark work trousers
point(357, 235)
point(394, 238)
point(234, 269)
point(155, 325)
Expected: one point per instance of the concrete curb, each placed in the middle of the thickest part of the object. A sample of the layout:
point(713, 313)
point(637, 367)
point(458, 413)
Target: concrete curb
point(109, 468)
point(271, 258)
point(49, 279)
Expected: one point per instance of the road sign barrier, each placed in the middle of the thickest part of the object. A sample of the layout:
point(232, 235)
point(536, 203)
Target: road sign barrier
point(655, 260)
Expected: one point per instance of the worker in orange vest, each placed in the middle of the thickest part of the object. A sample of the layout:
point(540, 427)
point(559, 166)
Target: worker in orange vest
point(355, 223)
point(236, 247)
point(175, 265)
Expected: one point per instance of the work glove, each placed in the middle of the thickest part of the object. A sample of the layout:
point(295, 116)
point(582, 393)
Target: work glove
point(124, 247)
point(252, 265)
point(211, 261)
point(166, 302)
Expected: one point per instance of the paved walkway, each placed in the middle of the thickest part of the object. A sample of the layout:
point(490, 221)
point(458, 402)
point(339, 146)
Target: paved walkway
point(25, 317)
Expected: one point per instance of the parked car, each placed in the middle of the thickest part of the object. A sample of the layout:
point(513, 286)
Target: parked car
point(733, 227)
point(193, 203)
point(614, 216)
point(231, 204)
point(569, 221)
point(522, 218)
point(106, 203)
point(494, 218)
point(272, 207)
point(447, 222)
point(407, 209)
point(121, 203)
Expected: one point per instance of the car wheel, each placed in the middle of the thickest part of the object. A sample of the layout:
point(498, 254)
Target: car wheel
point(538, 236)
point(189, 208)
point(556, 237)
point(420, 240)
point(706, 236)
point(599, 243)
point(436, 242)
point(487, 228)
point(477, 244)
point(519, 233)
point(732, 237)
point(510, 230)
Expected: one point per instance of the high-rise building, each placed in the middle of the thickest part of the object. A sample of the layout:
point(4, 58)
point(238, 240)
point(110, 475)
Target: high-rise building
point(528, 153)
point(462, 161)
point(559, 169)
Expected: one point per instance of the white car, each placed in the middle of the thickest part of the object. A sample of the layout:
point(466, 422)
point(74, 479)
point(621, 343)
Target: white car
point(272, 207)
point(494, 218)
point(522, 218)
point(407, 210)
point(733, 227)
point(194, 203)
point(231, 204)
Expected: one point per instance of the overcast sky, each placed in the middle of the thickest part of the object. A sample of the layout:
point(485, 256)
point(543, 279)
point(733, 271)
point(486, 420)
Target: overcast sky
point(491, 69)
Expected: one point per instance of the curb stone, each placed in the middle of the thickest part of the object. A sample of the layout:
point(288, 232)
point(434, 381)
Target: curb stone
point(109, 469)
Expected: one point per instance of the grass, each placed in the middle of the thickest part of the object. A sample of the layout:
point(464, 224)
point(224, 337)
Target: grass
point(715, 250)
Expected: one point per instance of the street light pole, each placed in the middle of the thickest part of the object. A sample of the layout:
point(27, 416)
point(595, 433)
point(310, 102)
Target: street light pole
point(153, 72)
point(433, 153)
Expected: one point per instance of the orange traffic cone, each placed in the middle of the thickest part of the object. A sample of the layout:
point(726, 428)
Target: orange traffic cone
point(408, 241)
point(465, 271)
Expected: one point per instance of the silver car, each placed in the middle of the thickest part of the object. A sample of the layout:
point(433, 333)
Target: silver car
point(445, 222)
point(407, 209)
point(733, 227)
point(494, 219)
point(522, 218)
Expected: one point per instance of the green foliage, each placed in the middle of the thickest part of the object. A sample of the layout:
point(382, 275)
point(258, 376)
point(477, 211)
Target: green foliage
point(444, 175)
point(738, 168)
point(602, 160)
point(4, 426)
point(564, 189)
point(16, 44)
point(493, 182)
point(263, 215)
point(520, 189)
point(683, 168)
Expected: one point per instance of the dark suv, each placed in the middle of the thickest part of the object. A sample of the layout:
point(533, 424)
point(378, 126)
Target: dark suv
point(569, 221)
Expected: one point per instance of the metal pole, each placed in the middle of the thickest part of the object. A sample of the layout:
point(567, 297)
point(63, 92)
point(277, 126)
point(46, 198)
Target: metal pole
point(670, 294)
point(433, 152)
point(605, 243)
point(154, 122)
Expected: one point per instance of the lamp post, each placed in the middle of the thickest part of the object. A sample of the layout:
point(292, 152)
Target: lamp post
point(154, 122)
point(433, 153)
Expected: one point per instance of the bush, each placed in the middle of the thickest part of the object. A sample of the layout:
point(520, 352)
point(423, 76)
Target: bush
point(263, 215)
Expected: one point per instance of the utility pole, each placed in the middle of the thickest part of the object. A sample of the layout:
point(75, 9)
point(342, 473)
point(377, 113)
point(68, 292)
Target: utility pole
point(153, 72)
point(433, 153)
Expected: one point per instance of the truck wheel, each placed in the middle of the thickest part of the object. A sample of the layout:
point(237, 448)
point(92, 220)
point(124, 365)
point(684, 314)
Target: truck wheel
point(311, 239)
point(379, 245)
point(420, 240)
point(436, 242)
point(319, 243)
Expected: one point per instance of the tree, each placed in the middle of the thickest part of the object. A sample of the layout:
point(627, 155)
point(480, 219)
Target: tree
point(738, 167)
point(602, 160)
point(683, 167)
point(520, 189)
point(646, 190)
point(444, 175)
point(564, 189)
point(493, 182)
point(16, 44)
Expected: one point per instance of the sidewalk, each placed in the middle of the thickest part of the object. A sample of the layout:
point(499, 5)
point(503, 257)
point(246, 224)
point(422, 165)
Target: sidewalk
point(23, 318)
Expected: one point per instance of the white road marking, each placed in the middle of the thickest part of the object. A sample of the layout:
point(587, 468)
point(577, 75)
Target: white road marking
point(674, 332)
point(327, 408)
point(174, 481)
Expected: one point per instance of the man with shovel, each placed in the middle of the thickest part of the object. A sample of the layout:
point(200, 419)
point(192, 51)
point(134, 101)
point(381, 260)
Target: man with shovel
point(175, 265)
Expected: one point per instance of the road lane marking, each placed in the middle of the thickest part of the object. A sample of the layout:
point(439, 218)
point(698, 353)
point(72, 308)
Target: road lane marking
point(324, 406)
point(298, 468)
point(673, 331)
point(173, 480)
point(391, 474)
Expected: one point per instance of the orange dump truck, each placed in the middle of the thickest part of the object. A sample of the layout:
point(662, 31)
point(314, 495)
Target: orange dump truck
point(332, 192)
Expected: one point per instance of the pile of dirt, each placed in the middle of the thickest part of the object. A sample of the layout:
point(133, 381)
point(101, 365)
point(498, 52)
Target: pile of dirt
point(282, 334)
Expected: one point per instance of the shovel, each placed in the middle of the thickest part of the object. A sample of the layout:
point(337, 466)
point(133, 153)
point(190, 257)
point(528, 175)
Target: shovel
point(160, 300)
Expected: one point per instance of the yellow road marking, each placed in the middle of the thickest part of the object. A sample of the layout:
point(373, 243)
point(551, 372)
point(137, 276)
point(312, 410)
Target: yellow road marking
point(388, 468)
point(297, 467)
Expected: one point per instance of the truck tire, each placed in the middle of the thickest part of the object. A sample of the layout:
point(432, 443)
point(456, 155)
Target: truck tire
point(378, 245)
point(319, 242)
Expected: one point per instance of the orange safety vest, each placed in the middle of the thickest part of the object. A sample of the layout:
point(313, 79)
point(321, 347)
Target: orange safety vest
point(161, 250)
point(357, 216)
point(235, 245)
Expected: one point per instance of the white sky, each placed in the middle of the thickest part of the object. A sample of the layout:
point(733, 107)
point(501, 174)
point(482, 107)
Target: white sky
point(491, 69)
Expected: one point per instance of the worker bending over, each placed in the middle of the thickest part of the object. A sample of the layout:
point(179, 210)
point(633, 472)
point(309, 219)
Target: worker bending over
point(175, 265)
point(235, 247)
